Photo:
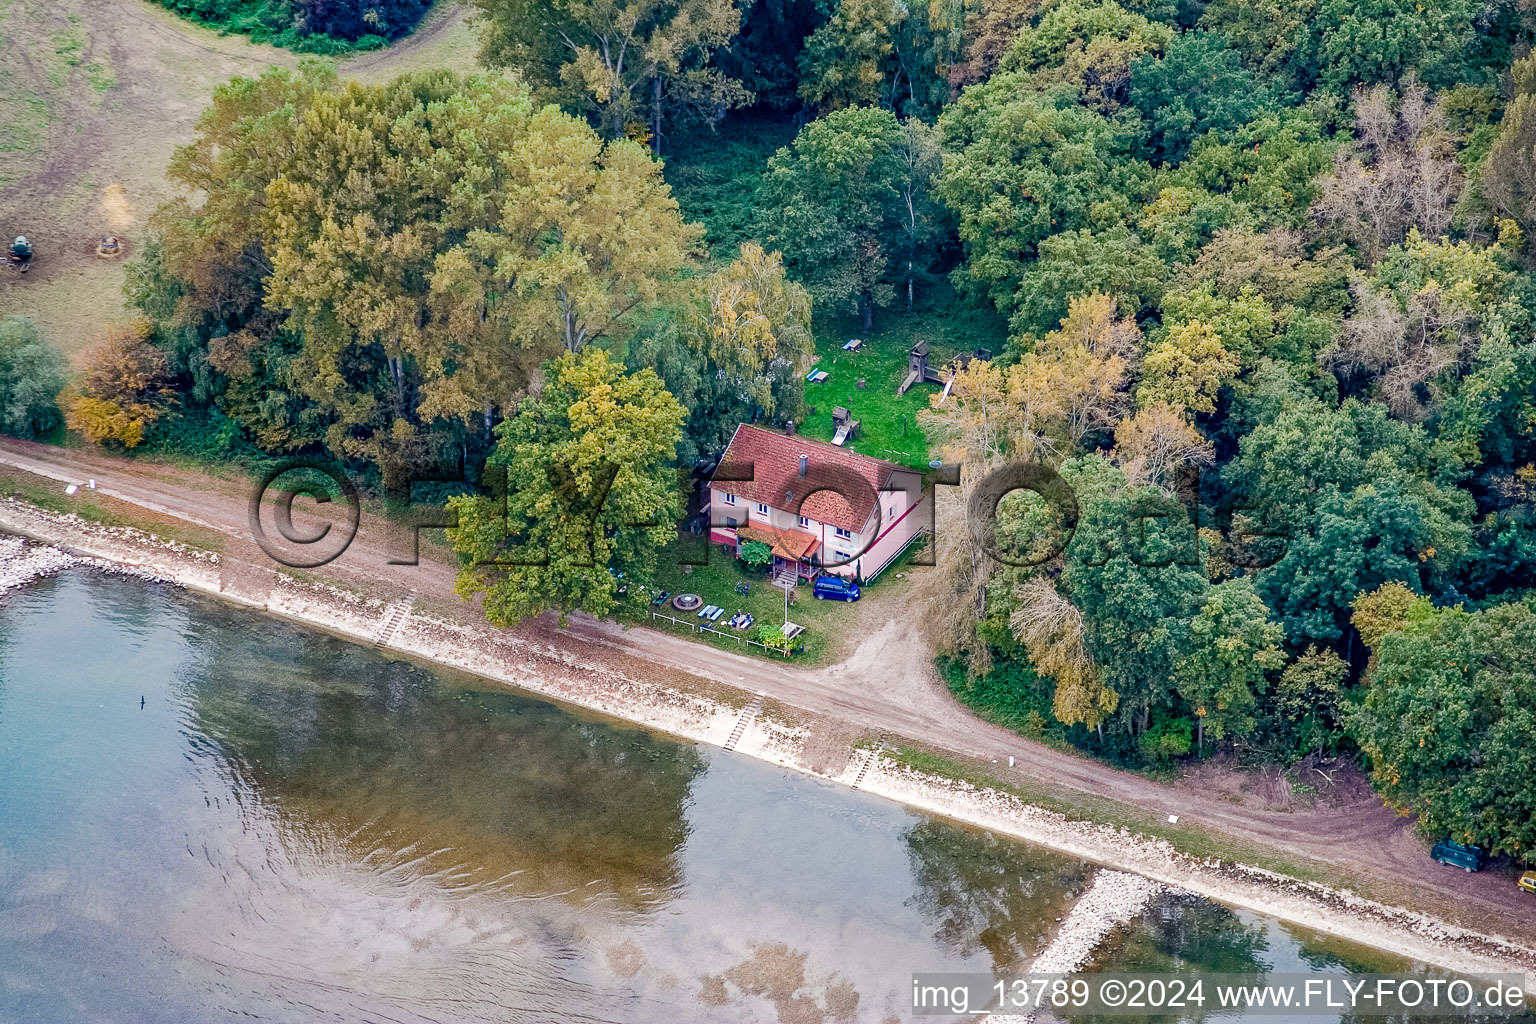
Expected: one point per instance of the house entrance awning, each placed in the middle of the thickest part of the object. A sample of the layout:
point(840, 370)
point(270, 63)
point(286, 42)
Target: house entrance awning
point(795, 545)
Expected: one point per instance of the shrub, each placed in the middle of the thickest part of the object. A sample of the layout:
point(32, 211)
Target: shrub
point(102, 421)
point(124, 391)
point(773, 636)
point(755, 554)
point(1167, 739)
point(32, 374)
point(327, 27)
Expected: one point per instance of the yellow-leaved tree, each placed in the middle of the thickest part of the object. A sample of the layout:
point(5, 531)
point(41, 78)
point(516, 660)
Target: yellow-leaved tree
point(397, 260)
point(125, 389)
point(1187, 368)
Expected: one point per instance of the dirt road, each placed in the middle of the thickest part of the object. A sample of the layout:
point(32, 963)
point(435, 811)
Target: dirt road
point(885, 684)
point(94, 97)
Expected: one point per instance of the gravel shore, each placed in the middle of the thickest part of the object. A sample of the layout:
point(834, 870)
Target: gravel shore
point(543, 667)
point(1114, 898)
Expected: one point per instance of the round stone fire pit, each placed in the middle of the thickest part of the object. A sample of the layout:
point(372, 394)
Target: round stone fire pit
point(687, 602)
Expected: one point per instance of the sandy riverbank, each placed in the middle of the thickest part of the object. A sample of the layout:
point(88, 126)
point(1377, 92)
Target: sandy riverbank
point(549, 670)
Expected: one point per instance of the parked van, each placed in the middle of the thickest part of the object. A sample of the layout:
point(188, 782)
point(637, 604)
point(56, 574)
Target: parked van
point(1457, 855)
point(834, 588)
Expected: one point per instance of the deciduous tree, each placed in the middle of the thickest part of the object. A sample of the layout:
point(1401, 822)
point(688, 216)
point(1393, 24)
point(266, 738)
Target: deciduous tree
point(1089, 45)
point(890, 53)
point(1133, 570)
point(735, 350)
point(1232, 645)
point(1309, 697)
point(1507, 177)
point(1187, 368)
point(1403, 175)
point(1198, 85)
point(1448, 724)
point(1355, 495)
point(401, 257)
point(1155, 444)
point(125, 389)
point(1419, 316)
point(833, 203)
point(1026, 166)
point(626, 61)
point(32, 373)
point(590, 496)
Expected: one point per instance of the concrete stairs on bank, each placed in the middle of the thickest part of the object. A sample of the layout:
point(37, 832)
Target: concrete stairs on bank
point(748, 714)
point(394, 618)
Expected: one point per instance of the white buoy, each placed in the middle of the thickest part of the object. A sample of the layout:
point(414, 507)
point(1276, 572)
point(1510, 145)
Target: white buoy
point(92, 485)
point(1173, 819)
point(1010, 760)
point(71, 489)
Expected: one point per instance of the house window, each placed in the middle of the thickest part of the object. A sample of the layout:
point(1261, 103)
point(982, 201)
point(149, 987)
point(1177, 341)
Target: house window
point(730, 522)
point(762, 509)
point(730, 499)
point(844, 534)
point(804, 521)
point(844, 557)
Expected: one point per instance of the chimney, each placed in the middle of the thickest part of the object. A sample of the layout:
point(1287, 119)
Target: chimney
point(805, 464)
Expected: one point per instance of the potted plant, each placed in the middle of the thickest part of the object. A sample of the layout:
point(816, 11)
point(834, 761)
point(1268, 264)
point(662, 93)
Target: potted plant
point(773, 637)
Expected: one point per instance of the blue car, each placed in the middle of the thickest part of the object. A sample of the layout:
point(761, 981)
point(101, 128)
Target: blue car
point(834, 588)
point(1459, 855)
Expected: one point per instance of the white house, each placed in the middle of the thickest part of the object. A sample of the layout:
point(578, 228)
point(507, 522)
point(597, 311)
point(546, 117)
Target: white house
point(821, 508)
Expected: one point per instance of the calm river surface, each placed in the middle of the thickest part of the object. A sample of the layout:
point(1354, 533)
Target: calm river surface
point(295, 828)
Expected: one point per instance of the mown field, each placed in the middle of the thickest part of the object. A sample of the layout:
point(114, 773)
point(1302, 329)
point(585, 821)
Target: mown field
point(95, 95)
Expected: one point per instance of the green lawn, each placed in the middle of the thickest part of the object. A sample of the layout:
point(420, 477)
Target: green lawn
point(824, 621)
point(716, 584)
point(890, 429)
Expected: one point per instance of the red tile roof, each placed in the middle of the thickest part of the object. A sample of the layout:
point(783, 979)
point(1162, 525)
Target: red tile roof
point(843, 486)
point(795, 545)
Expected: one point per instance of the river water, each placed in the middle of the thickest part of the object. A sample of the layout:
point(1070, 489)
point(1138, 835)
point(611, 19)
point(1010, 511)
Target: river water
point(295, 828)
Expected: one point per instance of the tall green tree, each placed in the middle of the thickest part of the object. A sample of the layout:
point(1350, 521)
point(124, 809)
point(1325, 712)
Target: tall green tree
point(1233, 644)
point(1341, 43)
point(1198, 85)
point(735, 351)
point(1133, 569)
point(1309, 698)
point(627, 62)
point(1449, 727)
point(834, 202)
point(1360, 501)
point(1384, 41)
point(1088, 45)
point(32, 373)
point(1026, 166)
point(588, 494)
point(1507, 177)
point(890, 53)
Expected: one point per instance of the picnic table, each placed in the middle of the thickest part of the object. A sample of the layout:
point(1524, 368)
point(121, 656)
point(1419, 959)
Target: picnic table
point(853, 345)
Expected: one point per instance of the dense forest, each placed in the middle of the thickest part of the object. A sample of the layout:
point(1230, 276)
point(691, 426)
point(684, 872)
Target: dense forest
point(1261, 275)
